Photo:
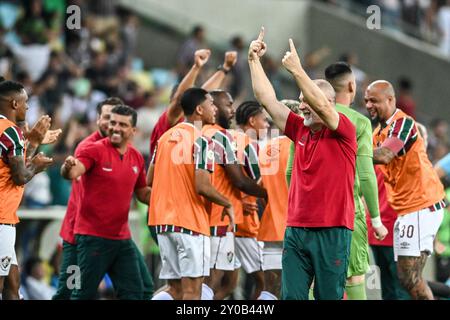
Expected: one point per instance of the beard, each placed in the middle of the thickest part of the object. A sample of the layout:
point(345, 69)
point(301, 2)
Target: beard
point(376, 120)
point(223, 122)
point(103, 132)
point(308, 121)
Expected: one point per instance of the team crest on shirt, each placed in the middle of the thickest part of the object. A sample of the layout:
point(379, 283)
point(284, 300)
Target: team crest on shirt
point(230, 256)
point(4, 263)
point(234, 146)
point(135, 169)
point(210, 155)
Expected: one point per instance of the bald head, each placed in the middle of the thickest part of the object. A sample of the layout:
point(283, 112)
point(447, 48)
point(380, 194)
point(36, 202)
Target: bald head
point(383, 87)
point(326, 88)
point(380, 100)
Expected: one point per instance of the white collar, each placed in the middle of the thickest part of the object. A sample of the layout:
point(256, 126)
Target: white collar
point(388, 121)
point(188, 123)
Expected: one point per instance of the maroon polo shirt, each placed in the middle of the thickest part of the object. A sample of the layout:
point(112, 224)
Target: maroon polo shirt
point(73, 205)
point(109, 183)
point(323, 176)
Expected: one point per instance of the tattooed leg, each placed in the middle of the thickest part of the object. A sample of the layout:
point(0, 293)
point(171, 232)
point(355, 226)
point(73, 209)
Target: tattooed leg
point(410, 275)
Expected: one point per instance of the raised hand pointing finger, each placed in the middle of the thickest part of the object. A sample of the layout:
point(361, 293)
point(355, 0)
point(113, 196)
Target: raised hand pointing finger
point(292, 46)
point(261, 34)
point(257, 47)
point(291, 61)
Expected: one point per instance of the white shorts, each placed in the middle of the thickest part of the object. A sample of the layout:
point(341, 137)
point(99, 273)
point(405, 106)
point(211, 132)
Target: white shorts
point(183, 255)
point(272, 253)
point(249, 254)
point(7, 252)
point(222, 252)
point(415, 232)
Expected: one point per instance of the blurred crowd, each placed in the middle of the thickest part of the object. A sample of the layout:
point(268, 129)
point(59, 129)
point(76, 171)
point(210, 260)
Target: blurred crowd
point(68, 71)
point(428, 20)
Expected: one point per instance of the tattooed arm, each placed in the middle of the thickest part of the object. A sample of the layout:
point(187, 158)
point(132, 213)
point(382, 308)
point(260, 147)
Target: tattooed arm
point(410, 276)
point(402, 133)
point(12, 150)
point(382, 155)
point(21, 173)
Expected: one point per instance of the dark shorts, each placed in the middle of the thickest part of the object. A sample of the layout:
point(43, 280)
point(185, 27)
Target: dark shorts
point(68, 259)
point(319, 254)
point(97, 256)
point(146, 277)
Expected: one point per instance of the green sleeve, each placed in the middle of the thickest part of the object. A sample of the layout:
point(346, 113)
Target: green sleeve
point(364, 165)
point(290, 163)
point(364, 137)
point(443, 234)
point(368, 184)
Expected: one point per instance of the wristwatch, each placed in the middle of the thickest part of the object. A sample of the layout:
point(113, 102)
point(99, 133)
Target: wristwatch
point(222, 68)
